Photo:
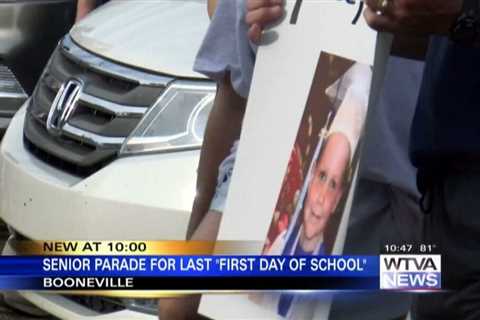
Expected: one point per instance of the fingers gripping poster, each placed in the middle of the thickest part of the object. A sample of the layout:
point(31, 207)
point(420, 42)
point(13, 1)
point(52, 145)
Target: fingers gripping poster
point(316, 78)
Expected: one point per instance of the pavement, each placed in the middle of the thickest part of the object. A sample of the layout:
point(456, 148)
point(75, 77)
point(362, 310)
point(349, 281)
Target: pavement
point(7, 312)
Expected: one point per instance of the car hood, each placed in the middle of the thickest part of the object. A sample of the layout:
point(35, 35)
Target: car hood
point(161, 36)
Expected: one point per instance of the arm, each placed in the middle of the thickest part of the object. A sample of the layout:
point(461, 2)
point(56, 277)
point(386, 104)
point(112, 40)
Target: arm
point(413, 17)
point(185, 307)
point(263, 12)
point(83, 8)
point(260, 13)
point(223, 128)
point(211, 6)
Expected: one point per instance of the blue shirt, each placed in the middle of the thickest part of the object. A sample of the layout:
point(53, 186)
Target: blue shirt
point(446, 126)
point(226, 48)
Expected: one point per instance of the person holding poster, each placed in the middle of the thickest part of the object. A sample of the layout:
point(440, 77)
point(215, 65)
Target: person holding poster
point(227, 56)
point(445, 143)
point(385, 207)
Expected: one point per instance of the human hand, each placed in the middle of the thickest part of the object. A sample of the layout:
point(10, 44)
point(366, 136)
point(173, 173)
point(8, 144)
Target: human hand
point(261, 13)
point(419, 17)
point(84, 7)
point(179, 308)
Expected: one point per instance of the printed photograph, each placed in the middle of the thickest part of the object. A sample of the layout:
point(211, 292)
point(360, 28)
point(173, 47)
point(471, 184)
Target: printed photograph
point(318, 178)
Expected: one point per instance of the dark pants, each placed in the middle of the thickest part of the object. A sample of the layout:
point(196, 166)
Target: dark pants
point(381, 214)
point(454, 225)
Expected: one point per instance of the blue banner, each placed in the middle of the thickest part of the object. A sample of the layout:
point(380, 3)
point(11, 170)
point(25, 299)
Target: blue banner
point(190, 266)
point(197, 273)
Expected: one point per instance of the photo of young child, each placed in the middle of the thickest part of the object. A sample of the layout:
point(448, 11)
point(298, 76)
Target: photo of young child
point(319, 174)
point(317, 179)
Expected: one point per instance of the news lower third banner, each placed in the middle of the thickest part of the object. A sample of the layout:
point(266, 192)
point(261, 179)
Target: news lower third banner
point(90, 272)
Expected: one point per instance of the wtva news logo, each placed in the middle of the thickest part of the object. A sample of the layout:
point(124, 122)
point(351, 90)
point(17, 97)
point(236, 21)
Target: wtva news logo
point(410, 272)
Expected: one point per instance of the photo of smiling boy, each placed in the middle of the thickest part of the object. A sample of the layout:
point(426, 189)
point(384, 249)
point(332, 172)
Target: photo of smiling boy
point(319, 175)
point(324, 194)
point(330, 170)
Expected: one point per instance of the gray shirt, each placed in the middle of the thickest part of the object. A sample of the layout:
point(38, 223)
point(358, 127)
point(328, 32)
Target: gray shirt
point(227, 50)
point(385, 155)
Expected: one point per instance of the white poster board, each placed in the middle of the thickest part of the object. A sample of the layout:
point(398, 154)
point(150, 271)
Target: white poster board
point(290, 68)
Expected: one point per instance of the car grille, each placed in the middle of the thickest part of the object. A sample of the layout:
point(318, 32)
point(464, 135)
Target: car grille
point(12, 95)
point(9, 84)
point(113, 100)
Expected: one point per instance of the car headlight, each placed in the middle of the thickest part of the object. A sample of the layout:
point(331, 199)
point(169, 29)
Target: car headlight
point(176, 122)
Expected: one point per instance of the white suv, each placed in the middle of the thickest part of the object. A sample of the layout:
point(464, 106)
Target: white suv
point(107, 146)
